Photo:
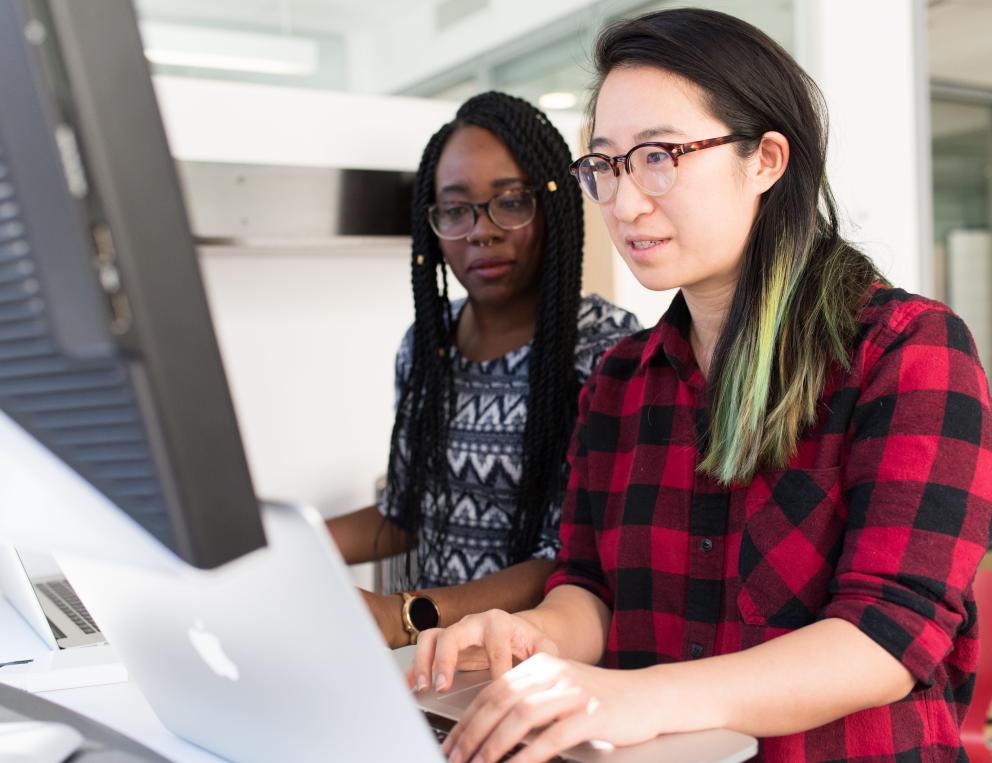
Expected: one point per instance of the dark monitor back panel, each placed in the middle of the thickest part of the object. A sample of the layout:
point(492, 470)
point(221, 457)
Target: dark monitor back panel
point(107, 352)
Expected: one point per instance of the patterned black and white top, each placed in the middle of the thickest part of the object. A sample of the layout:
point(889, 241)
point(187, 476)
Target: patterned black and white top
point(485, 448)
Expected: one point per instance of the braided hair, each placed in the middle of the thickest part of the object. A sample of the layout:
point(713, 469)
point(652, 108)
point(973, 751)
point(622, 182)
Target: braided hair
point(427, 398)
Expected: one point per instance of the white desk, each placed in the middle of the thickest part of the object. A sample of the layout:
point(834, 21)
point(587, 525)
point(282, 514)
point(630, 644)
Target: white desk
point(121, 706)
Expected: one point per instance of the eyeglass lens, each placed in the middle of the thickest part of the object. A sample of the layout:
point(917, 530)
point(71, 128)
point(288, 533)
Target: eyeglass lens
point(651, 168)
point(508, 210)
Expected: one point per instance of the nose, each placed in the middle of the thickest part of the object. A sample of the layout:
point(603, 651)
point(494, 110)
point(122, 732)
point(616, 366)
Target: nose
point(484, 229)
point(630, 202)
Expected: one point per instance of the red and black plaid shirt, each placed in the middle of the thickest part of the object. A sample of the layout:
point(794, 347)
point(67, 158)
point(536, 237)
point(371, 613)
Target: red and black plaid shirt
point(881, 519)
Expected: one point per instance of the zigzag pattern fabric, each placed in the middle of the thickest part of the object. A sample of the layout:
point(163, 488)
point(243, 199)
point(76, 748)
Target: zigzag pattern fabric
point(485, 448)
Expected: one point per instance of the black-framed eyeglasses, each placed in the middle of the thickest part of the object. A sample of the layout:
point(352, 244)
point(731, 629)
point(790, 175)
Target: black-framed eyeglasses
point(509, 210)
point(652, 166)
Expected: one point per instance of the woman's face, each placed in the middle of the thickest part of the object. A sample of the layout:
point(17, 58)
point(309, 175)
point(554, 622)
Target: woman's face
point(497, 267)
point(693, 236)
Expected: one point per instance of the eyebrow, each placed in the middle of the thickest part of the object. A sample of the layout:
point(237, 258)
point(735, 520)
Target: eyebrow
point(499, 183)
point(644, 135)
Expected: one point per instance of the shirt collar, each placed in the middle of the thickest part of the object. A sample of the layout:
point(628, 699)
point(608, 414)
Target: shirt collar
point(670, 337)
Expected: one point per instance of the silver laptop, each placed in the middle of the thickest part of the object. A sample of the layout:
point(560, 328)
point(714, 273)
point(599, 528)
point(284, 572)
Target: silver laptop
point(35, 587)
point(275, 657)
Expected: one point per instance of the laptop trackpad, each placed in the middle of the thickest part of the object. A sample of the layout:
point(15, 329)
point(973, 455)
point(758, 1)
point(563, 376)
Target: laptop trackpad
point(462, 699)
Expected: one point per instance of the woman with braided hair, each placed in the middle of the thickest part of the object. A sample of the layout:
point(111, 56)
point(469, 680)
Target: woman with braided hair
point(487, 387)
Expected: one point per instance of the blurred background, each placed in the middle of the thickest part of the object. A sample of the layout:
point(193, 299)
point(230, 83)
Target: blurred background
point(263, 98)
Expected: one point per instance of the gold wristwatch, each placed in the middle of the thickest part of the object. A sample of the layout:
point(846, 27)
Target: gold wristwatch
point(419, 613)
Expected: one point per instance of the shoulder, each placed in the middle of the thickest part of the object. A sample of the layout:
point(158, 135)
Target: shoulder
point(908, 344)
point(601, 325)
point(893, 317)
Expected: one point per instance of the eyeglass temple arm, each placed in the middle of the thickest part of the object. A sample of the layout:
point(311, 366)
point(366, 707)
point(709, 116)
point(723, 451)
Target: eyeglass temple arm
point(699, 145)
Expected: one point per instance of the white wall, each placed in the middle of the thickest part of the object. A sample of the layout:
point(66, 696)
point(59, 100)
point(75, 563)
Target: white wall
point(308, 342)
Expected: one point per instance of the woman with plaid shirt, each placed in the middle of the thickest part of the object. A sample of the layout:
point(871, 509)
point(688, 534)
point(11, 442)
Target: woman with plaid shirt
point(779, 495)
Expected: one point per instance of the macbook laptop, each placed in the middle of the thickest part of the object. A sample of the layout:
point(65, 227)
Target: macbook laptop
point(42, 595)
point(274, 657)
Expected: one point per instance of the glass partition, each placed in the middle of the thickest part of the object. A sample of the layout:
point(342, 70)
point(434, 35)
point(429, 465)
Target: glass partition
point(962, 196)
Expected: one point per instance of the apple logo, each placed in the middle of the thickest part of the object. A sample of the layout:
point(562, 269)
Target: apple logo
point(208, 646)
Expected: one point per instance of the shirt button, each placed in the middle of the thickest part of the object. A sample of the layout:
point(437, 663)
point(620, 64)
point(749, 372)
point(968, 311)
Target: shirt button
point(696, 650)
point(706, 545)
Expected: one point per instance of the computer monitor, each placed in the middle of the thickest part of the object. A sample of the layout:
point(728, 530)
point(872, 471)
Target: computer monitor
point(113, 397)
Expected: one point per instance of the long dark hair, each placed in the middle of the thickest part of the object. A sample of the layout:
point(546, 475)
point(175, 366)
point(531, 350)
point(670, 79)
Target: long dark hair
point(425, 408)
point(801, 286)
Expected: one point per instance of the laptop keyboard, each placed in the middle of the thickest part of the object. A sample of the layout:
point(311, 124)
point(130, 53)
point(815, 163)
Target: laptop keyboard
point(441, 726)
point(61, 594)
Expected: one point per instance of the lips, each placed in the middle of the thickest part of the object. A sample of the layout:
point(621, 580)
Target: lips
point(645, 242)
point(491, 267)
point(643, 247)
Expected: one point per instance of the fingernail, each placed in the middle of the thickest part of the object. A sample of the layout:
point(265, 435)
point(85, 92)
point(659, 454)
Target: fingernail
point(422, 683)
point(440, 682)
point(455, 757)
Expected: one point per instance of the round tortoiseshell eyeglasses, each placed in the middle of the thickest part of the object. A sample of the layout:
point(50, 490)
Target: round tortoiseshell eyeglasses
point(652, 166)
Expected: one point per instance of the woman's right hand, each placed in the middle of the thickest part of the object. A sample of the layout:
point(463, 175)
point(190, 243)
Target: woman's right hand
point(491, 640)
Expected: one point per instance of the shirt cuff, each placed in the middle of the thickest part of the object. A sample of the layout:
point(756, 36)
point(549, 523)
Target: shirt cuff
point(915, 639)
point(568, 575)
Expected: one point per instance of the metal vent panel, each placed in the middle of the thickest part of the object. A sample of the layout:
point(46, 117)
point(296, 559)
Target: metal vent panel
point(84, 411)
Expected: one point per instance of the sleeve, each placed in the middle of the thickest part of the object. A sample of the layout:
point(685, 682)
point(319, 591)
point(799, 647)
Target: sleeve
point(388, 500)
point(918, 488)
point(578, 560)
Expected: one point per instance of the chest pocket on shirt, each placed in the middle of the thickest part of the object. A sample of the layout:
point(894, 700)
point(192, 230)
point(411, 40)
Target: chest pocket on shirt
point(790, 542)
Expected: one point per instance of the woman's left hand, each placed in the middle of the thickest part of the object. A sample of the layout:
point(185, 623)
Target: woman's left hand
point(575, 702)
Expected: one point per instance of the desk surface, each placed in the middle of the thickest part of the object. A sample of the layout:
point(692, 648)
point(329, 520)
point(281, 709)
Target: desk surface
point(120, 706)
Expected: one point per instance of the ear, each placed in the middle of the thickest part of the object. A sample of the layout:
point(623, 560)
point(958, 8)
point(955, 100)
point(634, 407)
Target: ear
point(770, 160)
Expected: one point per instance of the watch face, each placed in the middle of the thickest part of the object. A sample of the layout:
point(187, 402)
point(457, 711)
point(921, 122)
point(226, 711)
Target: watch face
point(423, 614)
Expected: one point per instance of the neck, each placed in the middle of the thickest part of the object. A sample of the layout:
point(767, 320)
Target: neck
point(487, 331)
point(708, 306)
